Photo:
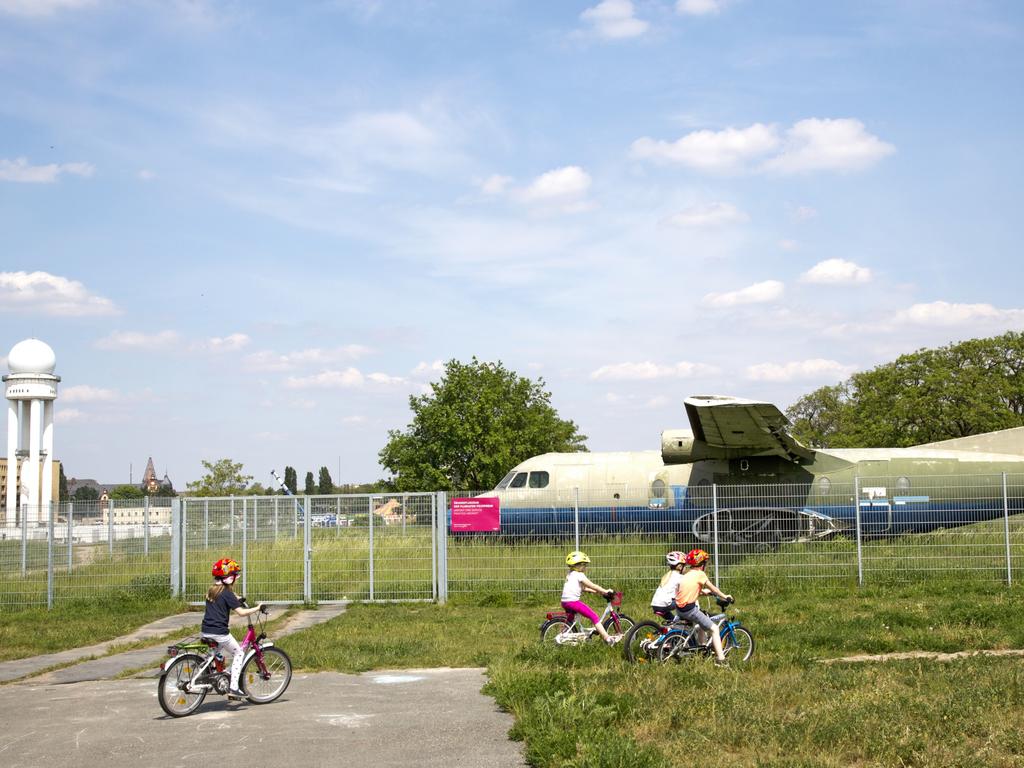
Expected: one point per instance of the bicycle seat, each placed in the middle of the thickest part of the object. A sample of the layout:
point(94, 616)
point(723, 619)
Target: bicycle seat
point(209, 641)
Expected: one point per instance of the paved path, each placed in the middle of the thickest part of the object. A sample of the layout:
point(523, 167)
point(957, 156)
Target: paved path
point(932, 655)
point(109, 667)
point(431, 718)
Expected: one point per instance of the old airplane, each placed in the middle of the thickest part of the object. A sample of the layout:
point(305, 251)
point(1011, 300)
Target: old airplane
point(739, 474)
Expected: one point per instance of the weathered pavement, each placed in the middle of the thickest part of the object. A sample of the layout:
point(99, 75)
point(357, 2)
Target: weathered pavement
point(110, 667)
point(427, 718)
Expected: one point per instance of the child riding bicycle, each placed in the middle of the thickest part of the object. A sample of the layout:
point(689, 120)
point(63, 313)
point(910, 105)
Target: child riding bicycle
point(663, 603)
point(690, 586)
point(221, 601)
point(576, 583)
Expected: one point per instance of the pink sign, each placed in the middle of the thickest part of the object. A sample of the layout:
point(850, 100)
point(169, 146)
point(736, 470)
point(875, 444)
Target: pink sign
point(476, 514)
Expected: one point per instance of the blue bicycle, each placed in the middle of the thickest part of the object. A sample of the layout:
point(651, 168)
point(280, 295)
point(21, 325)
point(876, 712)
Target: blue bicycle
point(649, 641)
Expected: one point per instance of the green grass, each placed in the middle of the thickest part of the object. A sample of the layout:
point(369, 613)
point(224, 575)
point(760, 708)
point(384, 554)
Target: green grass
point(587, 707)
point(36, 631)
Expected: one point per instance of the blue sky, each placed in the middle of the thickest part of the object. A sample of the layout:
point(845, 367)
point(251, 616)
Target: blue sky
point(253, 229)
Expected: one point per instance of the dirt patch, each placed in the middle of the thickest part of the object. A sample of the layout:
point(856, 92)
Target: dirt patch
point(905, 655)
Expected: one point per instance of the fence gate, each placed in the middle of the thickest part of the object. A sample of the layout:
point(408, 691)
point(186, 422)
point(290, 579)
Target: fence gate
point(373, 547)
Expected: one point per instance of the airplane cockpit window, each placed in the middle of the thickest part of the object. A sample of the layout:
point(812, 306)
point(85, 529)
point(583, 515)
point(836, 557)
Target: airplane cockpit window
point(519, 481)
point(505, 481)
point(539, 479)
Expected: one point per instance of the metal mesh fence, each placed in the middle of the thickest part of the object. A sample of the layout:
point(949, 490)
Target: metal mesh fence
point(382, 547)
point(85, 550)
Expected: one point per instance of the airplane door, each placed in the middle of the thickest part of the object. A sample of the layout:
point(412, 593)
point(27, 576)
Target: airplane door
point(874, 497)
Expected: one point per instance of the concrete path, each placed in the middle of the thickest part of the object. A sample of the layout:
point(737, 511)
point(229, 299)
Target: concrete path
point(431, 718)
point(932, 655)
point(109, 667)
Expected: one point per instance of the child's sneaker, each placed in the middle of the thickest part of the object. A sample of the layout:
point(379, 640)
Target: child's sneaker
point(234, 693)
point(721, 663)
point(613, 639)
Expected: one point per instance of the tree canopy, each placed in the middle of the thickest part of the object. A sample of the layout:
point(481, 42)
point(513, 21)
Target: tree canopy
point(126, 492)
point(223, 478)
point(326, 484)
point(961, 389)
point(475, 424)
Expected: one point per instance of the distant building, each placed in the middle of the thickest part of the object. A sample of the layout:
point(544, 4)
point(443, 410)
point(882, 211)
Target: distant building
point(150, 484)
point(55, 486)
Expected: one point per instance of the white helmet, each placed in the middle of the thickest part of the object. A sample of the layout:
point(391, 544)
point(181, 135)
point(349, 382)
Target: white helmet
point(674, 558)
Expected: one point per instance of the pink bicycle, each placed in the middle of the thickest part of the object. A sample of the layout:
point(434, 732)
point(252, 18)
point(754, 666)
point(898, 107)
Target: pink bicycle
point(194, 668)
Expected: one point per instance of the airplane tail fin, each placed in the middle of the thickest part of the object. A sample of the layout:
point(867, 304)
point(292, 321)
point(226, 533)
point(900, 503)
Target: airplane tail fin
point(1004, 441)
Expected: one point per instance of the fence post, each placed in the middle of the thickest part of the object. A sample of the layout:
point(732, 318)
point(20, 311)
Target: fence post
point(433, 547)
point(206, 523)
point(442, 547)
point(110, 526)
point(576, 516)
point(24, 539)
point(245, 541)
point(860, 557)
point(1006, 528)
point(275, 518)
point(49, 557)
point(71, 516)
point(369, 506)
point(176, 547)
point(255, 518)
point(405, 504)
point(231, 519)
point(295, 518)
point(714, 523)
point(145, 527)
point(307, 548)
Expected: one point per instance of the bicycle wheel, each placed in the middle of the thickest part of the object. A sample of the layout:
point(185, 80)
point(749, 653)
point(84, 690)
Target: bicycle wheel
point(625, 624)
point(672, 647)
point(552, 628)
point(175, 698)
point(639, 646)
point(264, 683)
point(738, 645)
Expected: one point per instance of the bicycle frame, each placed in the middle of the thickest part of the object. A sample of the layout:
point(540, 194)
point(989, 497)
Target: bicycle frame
point(251, 645)
point(576, 634)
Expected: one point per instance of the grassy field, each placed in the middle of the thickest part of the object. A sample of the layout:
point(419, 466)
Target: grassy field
point(586, 707)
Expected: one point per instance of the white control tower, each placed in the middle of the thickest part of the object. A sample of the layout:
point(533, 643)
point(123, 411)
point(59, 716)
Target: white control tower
point(31, 389)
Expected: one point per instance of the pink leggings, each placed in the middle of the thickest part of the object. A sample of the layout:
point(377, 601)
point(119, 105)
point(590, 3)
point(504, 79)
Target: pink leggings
point(578, 606)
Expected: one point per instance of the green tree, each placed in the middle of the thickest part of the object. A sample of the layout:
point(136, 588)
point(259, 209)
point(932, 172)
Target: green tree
point(477, 422)
point(961, 389)
point(126, 492)
point(291, 480)
point(85, 493)
point(62, 493)
point(326, 485)
point(223, 478)
point(310, 489)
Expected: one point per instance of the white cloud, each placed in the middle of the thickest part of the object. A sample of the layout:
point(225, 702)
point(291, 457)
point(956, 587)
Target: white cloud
point(50, 295)
point(41, 7)
point(943, 313)
point(266, 360)
point(789, 245)
point(558, 185)
point(385, 379)
point(710, 215)
point(83, 393)
point(19, 170)
point(614, 20)
point(829, 145)
point(68, 415)
point(816, 369)
point(647, 370)
point(136, 340)
point(354, 420)
point(349, 377)
point(814, 144)
point(658, 401)
point(804, 212)
point(495, 185)
point(758, 293)
point(836, 272)
point(146, 175)
point(428, 370)
point(232, 343)
point(698, 7)
point(715, 151)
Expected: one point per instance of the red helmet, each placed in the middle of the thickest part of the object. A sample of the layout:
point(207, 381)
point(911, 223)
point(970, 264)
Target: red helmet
point(225, 567)
point(696, 557)
point(672, 559)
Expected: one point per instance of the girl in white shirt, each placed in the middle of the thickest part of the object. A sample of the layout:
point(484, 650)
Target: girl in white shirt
point(664, 601)
point(576, 583)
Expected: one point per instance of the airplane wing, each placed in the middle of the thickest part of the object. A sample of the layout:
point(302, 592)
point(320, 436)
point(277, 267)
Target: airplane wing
point(743, 428)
